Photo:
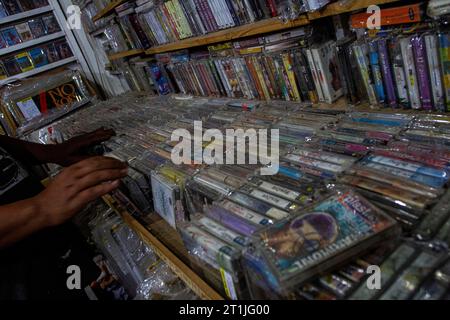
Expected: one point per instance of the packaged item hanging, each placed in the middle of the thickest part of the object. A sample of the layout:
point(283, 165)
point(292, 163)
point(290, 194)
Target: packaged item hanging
point(34, 103)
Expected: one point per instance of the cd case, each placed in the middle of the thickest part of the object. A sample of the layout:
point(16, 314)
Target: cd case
point(297, 248)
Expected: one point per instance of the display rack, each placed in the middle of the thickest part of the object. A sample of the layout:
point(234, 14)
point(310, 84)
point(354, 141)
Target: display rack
point(28, 44)
point(25, 15)
point(36, 71)
point(254, 29)
point(57, 8)
point(184, 272)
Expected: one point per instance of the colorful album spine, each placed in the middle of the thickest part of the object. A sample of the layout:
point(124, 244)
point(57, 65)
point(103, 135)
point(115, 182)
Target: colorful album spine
point(291, 76)
point(233, 13)
point(349, 80)
point(365, 73)
point(267, 80)
point(165, 35)
point(387, 73)
point(230, 14)
point(285, 78)
point(209, 15)
point(272, 7)
point(280, 78)
point(269, 70)
point(189, 15)
point(307, 74)
point(410, 70)
point(216, 14)
point(254, 78)
point(171, 25)
point(249, 11)
point(196, 16)
point(423, 76)
point(399, 73)
point(376, 71)
point(217, 78)
point(315, 75)
point(260, 75)
point(223, 77)
point(202, 14)
point(444, 50)
point(184, 19)
point(166, 22)
point(437, 87)
point(177, 19)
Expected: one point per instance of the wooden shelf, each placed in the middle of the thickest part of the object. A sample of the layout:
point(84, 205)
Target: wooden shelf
point(32, 42)
point(257, 28)
point(125, 54)
point(185, 273)
point(108, 9)
point(338, 8)
point(25, 14)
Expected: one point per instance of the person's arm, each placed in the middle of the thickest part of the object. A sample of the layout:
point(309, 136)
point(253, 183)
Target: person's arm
point(64, 154)
point(67, 194)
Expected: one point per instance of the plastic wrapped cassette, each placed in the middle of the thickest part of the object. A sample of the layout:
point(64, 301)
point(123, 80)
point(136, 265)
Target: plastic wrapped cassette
point(295, 249)
point(167, 199)
point(210, 249)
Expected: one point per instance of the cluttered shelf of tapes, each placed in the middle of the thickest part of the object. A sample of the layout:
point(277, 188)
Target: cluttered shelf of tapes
point(353, 189)
point(402, 65)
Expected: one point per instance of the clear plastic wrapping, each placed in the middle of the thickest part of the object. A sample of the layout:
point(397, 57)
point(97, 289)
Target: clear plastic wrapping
point(26, 108)
point(299, 247)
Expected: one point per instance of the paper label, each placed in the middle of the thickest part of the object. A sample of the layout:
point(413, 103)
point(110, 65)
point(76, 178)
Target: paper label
point(270, 198)
point(244, 213)
point(29, 109)
point(228, 284)
point(283, 192)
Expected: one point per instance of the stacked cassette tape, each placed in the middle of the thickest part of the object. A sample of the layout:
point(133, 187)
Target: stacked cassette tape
point(347, 183)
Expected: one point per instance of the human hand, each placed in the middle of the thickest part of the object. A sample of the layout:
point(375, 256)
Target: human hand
point(75, 149)
point(78, 185)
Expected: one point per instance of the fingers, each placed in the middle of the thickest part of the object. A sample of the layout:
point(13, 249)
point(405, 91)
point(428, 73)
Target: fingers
point(98, 177)
point(92, 138)
point(97, 136)
point(93, 164)
point(94, 193)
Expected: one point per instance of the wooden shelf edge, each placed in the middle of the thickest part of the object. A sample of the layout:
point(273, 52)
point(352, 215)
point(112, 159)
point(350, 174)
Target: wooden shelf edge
point(105, 11)
point(257, 28)
point(192, 280)
point(125, 54)
point(337, 8)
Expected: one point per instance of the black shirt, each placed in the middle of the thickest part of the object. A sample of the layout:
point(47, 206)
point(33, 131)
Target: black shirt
point(35, 268)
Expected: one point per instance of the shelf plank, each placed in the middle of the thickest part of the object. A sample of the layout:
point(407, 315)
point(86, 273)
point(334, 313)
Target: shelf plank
point(192, 280)
point(108, 9)
point(336, 8)
point(257, 28)
point(124, 54)
point(38, 70)
point(31, 43)
point(25, 14)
